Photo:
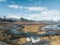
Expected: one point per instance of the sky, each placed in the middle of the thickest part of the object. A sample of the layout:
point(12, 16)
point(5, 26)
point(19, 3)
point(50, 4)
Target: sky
point(31, 9)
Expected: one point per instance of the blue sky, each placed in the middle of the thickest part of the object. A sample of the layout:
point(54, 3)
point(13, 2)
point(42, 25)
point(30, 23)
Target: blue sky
point(31, 9)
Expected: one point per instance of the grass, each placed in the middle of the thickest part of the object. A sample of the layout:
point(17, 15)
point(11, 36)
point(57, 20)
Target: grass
point(55, 40)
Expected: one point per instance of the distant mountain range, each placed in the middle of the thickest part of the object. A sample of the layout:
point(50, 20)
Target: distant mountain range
point(26, 20)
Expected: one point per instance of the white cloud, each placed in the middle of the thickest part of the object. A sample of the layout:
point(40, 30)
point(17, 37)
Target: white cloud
point(2, 0)
point(14, 16)
point(15, 6)
point(36, 8)
point(46, 15)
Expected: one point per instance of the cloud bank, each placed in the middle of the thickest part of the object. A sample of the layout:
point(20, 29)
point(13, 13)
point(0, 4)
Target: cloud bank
point(13, 6)
point(44, 13)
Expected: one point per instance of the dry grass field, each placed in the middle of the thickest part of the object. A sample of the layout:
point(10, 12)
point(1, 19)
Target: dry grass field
point(34, 28)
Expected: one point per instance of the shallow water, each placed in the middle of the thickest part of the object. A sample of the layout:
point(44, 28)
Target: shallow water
point(3, 43)
point(43, 42)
